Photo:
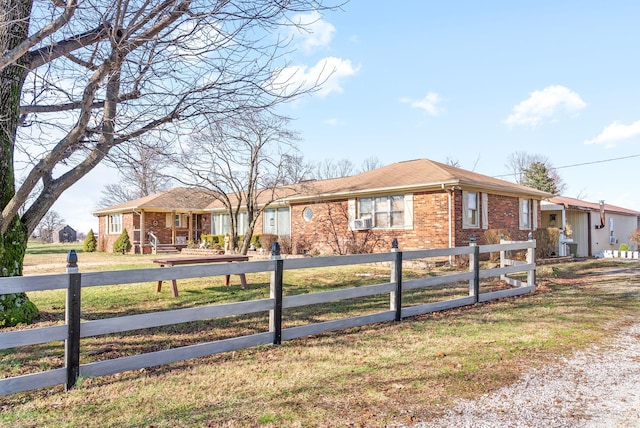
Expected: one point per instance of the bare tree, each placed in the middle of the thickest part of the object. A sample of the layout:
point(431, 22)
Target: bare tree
point(330, 168)
point(296, 169)
point(116, 193)
point(452, 162)
point(79, 78)
point(141, 167)
point(333, 226)
point(518, 163)
point(370, 164)
point(244, 162)
point(455, 162)
point(48, 225)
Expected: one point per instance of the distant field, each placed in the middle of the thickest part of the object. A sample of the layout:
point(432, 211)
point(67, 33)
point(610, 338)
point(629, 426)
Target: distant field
point(52, 258)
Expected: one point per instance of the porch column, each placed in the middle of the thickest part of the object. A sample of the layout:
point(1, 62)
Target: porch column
point(173, 227)
point(142, 231)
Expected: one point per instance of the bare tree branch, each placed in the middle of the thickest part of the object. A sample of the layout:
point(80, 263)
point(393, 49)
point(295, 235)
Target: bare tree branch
point(12, 55)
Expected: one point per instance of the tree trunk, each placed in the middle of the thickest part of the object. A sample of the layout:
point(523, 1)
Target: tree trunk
point(14, 28)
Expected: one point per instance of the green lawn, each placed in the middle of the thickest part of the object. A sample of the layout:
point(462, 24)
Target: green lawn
point(370, 376)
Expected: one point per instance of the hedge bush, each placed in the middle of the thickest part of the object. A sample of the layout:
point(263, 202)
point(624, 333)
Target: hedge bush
point(90, 243)
point(123, 243)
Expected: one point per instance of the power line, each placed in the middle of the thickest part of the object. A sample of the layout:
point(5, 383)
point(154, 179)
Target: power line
point(599, 161)
point(582, 164)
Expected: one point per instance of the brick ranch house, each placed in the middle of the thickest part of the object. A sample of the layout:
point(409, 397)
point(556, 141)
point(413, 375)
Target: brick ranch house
point(422, 203)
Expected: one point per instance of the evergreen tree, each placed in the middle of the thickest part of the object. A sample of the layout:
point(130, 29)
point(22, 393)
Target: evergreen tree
point(123, 243)
point(538, 176)
point(90, 242)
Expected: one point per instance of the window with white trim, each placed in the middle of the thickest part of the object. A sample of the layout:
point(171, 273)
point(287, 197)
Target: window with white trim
point(177, 220)
point(525, 214)
point(384, 211)
point(470, 209)
point(276, 221)
point(115, 223)
point(220, 224)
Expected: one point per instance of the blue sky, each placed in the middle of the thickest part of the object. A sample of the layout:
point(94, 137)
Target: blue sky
point(476, 81)
point(472, 82)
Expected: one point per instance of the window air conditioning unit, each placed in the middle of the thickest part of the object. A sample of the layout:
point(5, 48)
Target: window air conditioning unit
point(362, 224)
point(612, 240)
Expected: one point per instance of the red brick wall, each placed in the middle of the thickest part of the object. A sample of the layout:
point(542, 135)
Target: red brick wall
point(319, 236)
point(106, 239)
point(430, 224)
point(131, 222)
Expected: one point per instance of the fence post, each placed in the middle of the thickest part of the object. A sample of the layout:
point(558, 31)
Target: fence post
point(474, 266)
point(503, 257)
point(72, 319)
point(531, 258)
point(395, 297)
point(275, 292)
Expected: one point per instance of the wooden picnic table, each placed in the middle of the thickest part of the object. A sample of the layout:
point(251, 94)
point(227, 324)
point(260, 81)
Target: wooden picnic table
point(219, 258)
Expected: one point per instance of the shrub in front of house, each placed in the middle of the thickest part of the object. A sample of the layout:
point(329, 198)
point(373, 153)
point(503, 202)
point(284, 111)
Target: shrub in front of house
point(255, 240)
point(624, 247)
point(493, 236)
point(267, 240)
point(547, 242)
point(123, 243)
point(90, 243)
point(285, 244)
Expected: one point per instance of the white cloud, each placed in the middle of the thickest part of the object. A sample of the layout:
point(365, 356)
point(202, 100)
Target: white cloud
point(327, 76)
point(429, 103)
point(615, 132)
point(316, 32)
point(545, 104)
point(331, 121)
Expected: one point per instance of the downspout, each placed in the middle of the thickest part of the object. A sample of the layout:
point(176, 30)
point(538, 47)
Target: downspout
point(589, 247)
point(449, 213)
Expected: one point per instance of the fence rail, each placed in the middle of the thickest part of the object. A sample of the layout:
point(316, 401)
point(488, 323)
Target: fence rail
point(73, 330)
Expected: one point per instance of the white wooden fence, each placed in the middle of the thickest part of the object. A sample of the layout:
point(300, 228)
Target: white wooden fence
point(72, 331)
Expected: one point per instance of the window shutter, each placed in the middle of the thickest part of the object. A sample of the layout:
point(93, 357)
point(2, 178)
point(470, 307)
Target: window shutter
point(408, 211)
point(465, 207)
point(534, 215)
point(520, 214)
point(351, 211)
point(485, 211)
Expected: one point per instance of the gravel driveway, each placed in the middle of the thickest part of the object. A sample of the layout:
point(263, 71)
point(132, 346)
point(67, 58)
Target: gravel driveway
point(598, 387)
